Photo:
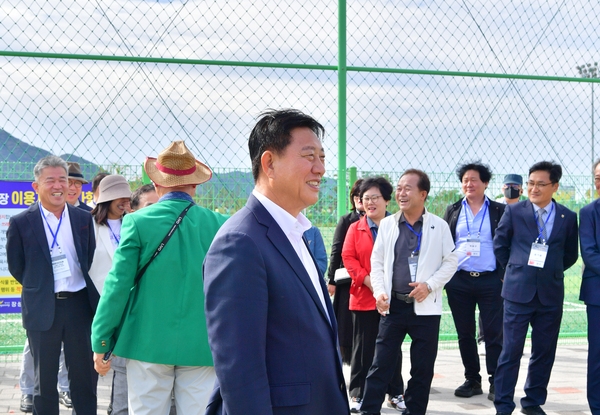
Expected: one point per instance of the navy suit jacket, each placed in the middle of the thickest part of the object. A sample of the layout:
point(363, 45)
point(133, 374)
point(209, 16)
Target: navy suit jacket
point(589, 234)
point(274, 347)
point(512, 245)
point(29, 262)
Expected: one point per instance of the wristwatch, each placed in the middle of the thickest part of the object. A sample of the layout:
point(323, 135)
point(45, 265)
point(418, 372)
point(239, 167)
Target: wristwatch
point(429, 288)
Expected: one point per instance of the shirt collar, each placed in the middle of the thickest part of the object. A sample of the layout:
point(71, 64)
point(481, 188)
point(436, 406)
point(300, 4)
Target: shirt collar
point(47, 213)
point(288, 223)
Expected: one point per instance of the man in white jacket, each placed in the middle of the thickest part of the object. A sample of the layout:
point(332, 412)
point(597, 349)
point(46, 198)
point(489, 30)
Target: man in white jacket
point(411, 262)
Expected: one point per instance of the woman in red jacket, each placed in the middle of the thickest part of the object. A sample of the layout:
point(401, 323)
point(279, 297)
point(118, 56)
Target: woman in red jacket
point(375, 193)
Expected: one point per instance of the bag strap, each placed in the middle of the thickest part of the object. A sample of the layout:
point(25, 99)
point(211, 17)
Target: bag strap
point(163, 243)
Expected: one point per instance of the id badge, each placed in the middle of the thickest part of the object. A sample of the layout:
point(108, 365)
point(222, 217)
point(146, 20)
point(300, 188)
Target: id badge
point(473, 247)
point(412, 266)
point(60, 267)
point(537, 256)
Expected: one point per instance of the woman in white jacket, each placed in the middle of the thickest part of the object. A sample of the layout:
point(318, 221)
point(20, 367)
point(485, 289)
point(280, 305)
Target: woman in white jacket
point(111, 206)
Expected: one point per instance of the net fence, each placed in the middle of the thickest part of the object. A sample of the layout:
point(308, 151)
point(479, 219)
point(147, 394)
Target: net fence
point(397, 84)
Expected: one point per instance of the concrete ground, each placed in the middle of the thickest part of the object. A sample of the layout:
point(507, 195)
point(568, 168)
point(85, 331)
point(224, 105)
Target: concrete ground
point(566, 392)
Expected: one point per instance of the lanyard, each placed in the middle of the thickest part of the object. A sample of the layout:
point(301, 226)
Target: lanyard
point(545, 223)
point(54, 235)
point(467, 217)
point(418, 235)
point(113, 234)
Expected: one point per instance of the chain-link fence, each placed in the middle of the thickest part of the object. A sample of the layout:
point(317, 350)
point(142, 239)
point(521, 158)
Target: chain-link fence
point(426, 84)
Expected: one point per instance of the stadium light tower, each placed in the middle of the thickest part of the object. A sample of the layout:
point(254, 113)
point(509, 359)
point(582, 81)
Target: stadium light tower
point(590, 71)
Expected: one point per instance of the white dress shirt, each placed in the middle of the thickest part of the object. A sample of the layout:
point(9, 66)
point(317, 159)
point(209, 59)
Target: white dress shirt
point(66, 245)
point(294, 228)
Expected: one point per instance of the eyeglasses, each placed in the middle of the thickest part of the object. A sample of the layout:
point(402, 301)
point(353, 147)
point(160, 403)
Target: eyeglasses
point(374, 199)
point(75, 183)
point(539, 185)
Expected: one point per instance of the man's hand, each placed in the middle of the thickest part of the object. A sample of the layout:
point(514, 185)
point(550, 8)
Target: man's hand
point(101, 367)
point(420, 291)
point(382, 304)
point(331, 289)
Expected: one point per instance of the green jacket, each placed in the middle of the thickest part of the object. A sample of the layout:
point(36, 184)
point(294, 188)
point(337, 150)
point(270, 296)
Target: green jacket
point(162, 319)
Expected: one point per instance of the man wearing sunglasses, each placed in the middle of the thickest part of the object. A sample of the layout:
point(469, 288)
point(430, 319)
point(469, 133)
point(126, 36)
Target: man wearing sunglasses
point(512, 189)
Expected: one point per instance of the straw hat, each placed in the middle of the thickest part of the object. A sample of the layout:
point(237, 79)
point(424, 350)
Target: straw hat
point(176, 166)
point(113, 187)
point(75, 172)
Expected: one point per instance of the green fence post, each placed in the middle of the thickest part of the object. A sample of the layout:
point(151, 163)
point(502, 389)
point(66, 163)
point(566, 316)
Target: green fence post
point(342, 200)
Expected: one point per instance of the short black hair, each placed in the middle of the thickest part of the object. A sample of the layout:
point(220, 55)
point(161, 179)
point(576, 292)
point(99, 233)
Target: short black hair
point(424, 183)
point(97, 179)
point(485, 174)
point(135, 196)
point(272, 132)
point(384, 186)
point(355, 191)
point(551, 167)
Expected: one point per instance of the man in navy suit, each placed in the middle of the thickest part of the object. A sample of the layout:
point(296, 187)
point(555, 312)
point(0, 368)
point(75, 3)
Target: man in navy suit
point(271, 326)
point(536, 241)
point(589, 233)
point(50, 248)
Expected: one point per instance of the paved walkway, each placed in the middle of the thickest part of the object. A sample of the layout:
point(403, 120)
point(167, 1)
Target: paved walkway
point(566, 392)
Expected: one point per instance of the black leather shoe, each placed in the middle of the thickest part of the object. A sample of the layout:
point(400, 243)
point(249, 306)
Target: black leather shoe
point(406, 412)
point(26, 403)
point(533, 410)
point(492, 394)
point(503, 413)
point(65, 399)
point(468, 389)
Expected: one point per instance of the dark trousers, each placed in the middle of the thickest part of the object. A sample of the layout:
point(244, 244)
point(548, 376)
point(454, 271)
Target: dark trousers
point(545, 325)
point(593, 371)
point(72, 326)
point(366, 327)
point(424, 332)
point(464, 294)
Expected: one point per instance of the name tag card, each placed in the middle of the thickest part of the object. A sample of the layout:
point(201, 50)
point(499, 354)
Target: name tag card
point(412, 266)
point(473, 247)
point(60, 267)
point(537, 256)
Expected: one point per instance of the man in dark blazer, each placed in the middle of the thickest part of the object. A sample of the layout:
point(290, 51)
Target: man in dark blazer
point(50, 248)
point(478, 280)
point(536, 241)
point(271, 327)
point(589, 234)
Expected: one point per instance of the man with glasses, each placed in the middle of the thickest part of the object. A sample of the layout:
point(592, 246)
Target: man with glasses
point(536, 241)
point(76, 181)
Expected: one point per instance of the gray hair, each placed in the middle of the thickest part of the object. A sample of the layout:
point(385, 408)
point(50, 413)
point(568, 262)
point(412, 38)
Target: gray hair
point(49, 161)
point(595, 165)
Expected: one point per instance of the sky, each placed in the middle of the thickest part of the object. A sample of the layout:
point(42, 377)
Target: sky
point(120, 112)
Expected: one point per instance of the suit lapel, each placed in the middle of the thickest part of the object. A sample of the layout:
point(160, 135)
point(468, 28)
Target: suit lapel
point(105, 238)
point(37, 226)
point(285, 248)
point(76, 231)
point(529, 217)
point(559, 220)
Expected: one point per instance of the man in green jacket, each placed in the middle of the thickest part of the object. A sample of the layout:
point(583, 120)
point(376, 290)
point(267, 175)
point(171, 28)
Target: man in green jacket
point(158, 324)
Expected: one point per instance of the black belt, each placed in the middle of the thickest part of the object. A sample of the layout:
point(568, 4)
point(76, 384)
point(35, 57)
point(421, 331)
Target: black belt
point(403, 297)
point(477, 274)
point(63, 295)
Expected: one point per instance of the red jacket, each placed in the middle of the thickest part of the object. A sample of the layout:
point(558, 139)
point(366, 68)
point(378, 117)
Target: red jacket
point(356, 255)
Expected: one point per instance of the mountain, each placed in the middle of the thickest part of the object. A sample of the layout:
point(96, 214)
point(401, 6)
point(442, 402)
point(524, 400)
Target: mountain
point(18, 158)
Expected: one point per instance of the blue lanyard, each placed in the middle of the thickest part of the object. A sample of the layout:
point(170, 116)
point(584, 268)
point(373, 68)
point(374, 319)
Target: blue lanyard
point(54, 235)
point(113, 234)
point(467, 217)
point(418, 235)
point(545, 223)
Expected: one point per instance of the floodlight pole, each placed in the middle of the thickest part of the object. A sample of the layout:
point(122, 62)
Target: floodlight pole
point(590, 71)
